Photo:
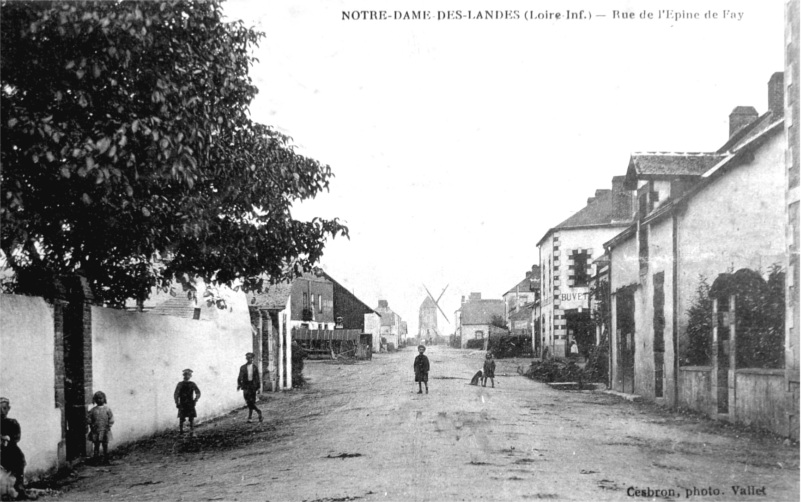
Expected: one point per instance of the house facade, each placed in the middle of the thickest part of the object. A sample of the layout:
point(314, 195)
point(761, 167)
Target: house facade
point(476, 316)
point(306, 302)
point(708, 232)
point(351, 313)
point(390, 325)
point(521, 321)
point(311, 302)
point(566, 254)
point(522, 293)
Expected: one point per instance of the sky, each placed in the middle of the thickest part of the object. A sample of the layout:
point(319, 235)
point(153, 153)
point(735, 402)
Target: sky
point(456, 144)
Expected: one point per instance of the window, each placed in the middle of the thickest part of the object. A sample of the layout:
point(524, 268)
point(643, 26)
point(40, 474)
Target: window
point(581, 269)
point(307, 313)
point(320, 303)
point(479, 334)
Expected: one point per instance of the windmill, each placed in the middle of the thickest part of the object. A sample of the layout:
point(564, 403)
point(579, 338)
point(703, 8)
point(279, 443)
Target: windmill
point(436, 302)
point(428, 315)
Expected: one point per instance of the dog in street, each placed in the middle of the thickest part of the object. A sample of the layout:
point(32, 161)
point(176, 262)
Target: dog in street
point(477, 377)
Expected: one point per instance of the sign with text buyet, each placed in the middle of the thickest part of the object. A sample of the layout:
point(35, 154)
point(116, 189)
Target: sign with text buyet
point(574, 298)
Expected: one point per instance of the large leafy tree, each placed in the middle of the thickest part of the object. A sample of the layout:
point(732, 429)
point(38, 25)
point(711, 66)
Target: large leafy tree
point(128, 153)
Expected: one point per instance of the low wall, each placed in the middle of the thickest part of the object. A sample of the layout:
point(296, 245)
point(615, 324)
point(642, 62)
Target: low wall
point(695, 389)
point(762, 400)
point(28, 376)
point(137, 359)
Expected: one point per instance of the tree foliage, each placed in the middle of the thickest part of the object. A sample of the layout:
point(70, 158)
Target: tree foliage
point(498, 322)
point(759, 315)
point(128, 153)
point(698, 351)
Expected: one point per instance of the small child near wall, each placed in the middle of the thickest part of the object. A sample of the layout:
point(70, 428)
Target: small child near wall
point(100, 421)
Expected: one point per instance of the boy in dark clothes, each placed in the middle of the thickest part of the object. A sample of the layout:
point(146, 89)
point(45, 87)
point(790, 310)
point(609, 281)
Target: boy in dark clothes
point(186, 395)
point(421, 367)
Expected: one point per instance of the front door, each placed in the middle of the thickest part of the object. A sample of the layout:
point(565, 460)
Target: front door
point(626, 338)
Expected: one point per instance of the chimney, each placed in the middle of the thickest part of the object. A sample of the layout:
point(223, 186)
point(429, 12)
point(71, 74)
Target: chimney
point(776, 93)
point(528, 275)
point(383, 304)
point(463, 300)
point(623, 209)
point(475, 296)
point(599, 193)
point(535, 278)
point(740, 117)
point(617, 184)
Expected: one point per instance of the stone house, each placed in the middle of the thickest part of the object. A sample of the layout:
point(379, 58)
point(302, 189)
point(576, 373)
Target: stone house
point(523, 293)
point(352, 313)
point(703, 216)
point(476, 316)
point(566, 254)
point(390, 325)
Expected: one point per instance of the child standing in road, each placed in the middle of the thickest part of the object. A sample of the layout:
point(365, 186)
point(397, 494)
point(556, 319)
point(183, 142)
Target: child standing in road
point(489, 370)
point(186, 395)
point(421, 367)
point(100, 421)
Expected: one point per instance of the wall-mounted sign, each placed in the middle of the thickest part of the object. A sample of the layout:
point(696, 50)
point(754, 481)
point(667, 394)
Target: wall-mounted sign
point(574, 298)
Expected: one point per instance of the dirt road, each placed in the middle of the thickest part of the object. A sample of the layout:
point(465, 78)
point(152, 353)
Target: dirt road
point(361, 432)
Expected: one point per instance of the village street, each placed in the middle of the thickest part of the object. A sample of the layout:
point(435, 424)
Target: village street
point(359, 431)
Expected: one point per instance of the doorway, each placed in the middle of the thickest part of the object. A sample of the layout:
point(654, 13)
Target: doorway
point(625, 337)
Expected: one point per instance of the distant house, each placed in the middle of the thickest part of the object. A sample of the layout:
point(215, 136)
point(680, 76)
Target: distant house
point(390, 325)
point(521, 322)
point(306, 302)
point(191, 303)
point(476, 316)
point(352, 313)
point(524, 292)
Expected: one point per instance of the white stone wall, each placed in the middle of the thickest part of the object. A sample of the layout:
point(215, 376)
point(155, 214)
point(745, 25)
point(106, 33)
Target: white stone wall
point(137, 361)
point(27, 377)
point(660, 259)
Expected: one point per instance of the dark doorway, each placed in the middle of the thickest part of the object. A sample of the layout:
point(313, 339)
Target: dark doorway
point(659, 334)
point(582, 329)
point(625, 336)
point(75, 391)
